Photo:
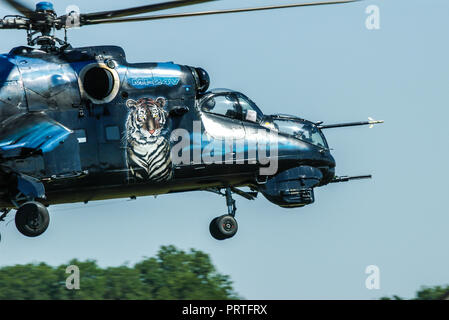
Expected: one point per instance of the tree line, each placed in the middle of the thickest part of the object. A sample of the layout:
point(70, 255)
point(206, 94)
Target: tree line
point(171, 275)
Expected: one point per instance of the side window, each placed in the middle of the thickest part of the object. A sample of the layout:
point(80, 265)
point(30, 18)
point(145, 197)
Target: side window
point(112, 133)
point(250, 112)
point(81, 135)
point(225, 105)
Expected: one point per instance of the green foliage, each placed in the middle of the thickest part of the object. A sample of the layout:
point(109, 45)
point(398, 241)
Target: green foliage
point(426, 293)
point(431, 293)
point(172, 275)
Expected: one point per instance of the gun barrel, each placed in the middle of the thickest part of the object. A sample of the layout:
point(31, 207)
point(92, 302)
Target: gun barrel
point(347, 178)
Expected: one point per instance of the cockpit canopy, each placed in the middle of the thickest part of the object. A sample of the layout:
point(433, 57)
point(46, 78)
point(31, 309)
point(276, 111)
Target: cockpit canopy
point(299, 128)
point(231, 104)
point(236, 105)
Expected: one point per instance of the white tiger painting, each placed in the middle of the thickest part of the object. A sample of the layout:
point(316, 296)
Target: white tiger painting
point(147, 147)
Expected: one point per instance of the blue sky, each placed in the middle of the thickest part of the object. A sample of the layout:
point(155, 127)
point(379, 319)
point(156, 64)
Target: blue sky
point(319, 63)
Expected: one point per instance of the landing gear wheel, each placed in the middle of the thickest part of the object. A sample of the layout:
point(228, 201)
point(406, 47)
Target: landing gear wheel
point(213, 228)
point(32, 219)
point(223, 227)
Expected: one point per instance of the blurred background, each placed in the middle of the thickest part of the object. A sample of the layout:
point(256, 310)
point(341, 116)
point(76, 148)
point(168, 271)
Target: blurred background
point(320, 63)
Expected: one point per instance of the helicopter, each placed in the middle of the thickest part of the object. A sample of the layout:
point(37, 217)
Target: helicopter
point(83, 124)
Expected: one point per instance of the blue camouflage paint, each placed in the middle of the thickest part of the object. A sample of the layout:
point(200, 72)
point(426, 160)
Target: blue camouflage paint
point(45, 136)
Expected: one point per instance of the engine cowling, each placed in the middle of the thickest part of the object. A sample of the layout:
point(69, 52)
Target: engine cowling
point(202, 79)
point(292, 188)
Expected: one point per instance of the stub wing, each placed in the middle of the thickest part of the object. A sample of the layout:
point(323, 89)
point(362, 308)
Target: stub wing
point(25, 134)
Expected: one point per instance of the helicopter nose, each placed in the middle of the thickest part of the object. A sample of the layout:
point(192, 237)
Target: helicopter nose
point(328, 168)
point(328, 175)
point(323, 160)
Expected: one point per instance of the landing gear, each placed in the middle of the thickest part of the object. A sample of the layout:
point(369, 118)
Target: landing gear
point(32, 219)
point(225, 227)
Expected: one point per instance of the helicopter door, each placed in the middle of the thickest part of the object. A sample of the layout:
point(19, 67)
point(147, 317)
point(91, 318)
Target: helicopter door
point(111, 153)
point(48, 85)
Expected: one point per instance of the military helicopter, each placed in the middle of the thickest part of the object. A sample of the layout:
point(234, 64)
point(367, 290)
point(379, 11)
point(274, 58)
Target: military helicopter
point(83, 124)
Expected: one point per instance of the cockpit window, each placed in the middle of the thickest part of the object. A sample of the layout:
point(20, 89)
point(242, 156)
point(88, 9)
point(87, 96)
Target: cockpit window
point(225, 105)
point(311, 134)
point(249, 109)
point(301, 130)
point(234, 105)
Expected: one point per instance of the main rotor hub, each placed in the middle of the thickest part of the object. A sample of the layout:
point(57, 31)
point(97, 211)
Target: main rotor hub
point(44, 21)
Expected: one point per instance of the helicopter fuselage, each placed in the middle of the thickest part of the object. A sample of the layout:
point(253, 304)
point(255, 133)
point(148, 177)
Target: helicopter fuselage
point(126, 122)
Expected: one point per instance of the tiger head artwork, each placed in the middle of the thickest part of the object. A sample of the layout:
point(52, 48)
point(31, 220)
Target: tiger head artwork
point(147, 147)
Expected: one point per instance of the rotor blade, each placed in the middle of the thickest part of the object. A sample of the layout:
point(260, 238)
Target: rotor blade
point(204, 13)
point(23, 9)
point(142, 9)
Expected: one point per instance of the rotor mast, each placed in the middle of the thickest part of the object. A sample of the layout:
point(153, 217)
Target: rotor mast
point(47, 39)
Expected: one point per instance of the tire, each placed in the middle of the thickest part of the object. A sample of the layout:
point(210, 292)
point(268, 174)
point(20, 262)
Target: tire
point(32, 219)
point(215, 233)
point(223, 227)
